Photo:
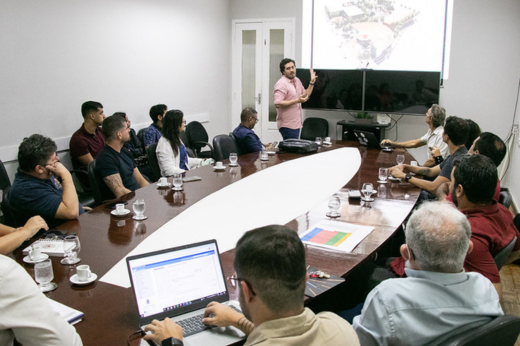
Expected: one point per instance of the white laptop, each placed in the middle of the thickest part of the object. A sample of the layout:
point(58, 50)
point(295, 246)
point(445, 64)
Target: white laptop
point(179, 283)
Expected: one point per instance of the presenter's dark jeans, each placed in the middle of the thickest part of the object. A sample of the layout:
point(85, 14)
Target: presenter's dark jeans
point(288, 133)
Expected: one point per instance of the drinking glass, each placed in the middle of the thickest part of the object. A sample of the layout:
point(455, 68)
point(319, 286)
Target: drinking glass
point(43, 275)
point(383, 174)
point(177, 182)
point(71, 245)
point(400, 159)
point(334, 204)
point(233, 159)
point(368, 190)
point(139, 207)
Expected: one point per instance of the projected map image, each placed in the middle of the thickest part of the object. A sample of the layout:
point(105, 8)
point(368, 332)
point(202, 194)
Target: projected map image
point(379, 34)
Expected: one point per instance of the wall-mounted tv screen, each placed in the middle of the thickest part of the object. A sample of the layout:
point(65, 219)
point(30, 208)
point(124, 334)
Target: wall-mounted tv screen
point(334, 89)
point(408, 92)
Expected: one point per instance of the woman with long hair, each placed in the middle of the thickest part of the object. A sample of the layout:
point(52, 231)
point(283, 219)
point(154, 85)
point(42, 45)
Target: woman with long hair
point(171, 152)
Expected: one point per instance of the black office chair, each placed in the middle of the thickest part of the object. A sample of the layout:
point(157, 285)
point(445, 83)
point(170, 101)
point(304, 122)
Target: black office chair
point(198, 139)
point(154, 163)
point(502, 256)
point(11, 215)
point(239, 152)
point(505, 199)
point(184, 140)
point(85, 195)
point(100, 190)
point(4, 177)
point(502, 330)
point(223, 146)
point(516, 221)
point(314, 127)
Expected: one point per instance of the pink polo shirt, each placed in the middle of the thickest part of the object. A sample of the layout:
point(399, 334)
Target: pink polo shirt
point(285, 90)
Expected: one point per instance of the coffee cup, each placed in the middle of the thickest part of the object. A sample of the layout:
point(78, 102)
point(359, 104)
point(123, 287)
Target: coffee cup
point(219, 164)
point(413, 163)
point(327, 139)
point(120, 208)
point(35, 253)
point(163, 181)
point(83, 272)
point(264, 156)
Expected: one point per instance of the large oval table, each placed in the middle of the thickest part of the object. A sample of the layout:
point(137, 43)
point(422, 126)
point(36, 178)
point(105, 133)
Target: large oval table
point(110, 312)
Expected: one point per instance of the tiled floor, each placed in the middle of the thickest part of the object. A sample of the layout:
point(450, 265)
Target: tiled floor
point(510, 279)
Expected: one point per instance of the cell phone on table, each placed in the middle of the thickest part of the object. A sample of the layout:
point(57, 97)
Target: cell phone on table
point(188, 179)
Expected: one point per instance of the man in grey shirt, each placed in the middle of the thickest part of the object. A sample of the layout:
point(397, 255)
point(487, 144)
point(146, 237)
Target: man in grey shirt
point(438, 298)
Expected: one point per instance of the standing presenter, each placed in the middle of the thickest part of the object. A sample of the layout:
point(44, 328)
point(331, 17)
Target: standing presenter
point(289, 94)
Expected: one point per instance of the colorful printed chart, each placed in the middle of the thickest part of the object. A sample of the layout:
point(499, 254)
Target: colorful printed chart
point(336, 235)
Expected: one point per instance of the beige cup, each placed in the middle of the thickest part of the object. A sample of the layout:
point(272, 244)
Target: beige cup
point(219, 164)
point(83, 272)
point(120, 208)
point(163, 181)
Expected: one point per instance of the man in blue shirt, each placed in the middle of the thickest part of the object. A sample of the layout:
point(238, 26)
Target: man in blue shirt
point(247, 140)
point(37, 189)
point(438, 298)
point(115, 163)
point(152, 133)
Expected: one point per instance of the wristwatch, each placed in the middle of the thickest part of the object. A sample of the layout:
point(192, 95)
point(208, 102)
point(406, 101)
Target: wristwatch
point(172, 342)
point(408, 177)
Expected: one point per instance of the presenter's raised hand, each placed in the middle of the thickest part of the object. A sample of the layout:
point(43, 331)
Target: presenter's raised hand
point(313, 76)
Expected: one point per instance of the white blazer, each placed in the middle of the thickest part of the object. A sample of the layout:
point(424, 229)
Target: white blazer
point(168, 162)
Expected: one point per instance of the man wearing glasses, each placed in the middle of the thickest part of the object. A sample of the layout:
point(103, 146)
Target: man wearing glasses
point(271, 276)
point(42, 185)
point(247, 140)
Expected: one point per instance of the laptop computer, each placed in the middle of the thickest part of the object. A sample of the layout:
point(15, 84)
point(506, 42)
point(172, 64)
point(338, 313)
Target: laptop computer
point(369, 140)
point(179, 283)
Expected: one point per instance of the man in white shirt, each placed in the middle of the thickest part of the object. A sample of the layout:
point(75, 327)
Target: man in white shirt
point(438, 298)
point(433, 138)
point(26, 315)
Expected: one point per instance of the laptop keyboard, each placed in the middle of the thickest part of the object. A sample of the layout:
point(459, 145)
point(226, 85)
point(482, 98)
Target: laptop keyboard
point(193, 325)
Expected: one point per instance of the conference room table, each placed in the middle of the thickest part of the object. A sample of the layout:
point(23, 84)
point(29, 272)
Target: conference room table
point(110, 311)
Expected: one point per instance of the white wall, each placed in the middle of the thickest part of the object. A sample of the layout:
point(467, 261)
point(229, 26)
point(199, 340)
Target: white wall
point(126, 54)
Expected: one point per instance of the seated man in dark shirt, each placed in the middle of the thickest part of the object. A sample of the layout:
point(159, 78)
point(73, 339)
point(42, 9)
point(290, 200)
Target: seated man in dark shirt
point(247, 140)
point(36, 189)
point(115, 163)
point(456, 131)
point(152, 133)
point(87, 142)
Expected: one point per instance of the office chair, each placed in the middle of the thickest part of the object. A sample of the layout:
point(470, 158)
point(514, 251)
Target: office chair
point(314, 127)
point(140, 135)
point(223, 146)
point(505, 199)
point(11, 216)
point(516, 221)
point(100, 190)
point(197, 139)
point(502, 330)
point(502, 256)
point(4, 178)
point(239, 151)
point(85, 195)
point(154, 164)
point(184, 141)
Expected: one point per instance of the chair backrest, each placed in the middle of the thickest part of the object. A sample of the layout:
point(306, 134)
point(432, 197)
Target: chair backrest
point(100, 190)
point(516, 221)
point(154, 163)
point(505, 199)
point(314, 127)
point(195, 132)
point(184, 140)
point(11, 216)
point(502, 256)
point(140, 135)
point(223, 145)
point(239, 152)
point(502, 330)
point(4, 178)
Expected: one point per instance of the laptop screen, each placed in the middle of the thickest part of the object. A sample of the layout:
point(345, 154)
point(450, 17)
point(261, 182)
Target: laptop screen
point(175, 281)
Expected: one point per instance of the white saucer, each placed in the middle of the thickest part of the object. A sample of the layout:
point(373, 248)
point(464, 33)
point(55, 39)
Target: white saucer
point(140, 218)
point(74, 279)
point(28, 259)
point(219, 168)
point(271, 152)
point(164, 185)
point(333, 216)
point(233, 165)
point(327, 143)
point(382, 181)
point(125, 212)
point(367, 200)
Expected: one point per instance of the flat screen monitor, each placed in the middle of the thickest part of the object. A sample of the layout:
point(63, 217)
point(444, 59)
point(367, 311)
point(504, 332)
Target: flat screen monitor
point(334, 89)
point(408, 92)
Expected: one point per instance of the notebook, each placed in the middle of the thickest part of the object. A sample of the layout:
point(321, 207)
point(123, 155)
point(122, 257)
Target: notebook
point(179, 283)
point(369, 139)
point(49, 246)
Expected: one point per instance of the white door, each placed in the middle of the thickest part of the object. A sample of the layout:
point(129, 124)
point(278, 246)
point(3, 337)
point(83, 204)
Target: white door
point(258, 48)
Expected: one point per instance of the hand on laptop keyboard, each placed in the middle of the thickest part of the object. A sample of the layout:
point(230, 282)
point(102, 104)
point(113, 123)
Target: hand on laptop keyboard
point(162, 330)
